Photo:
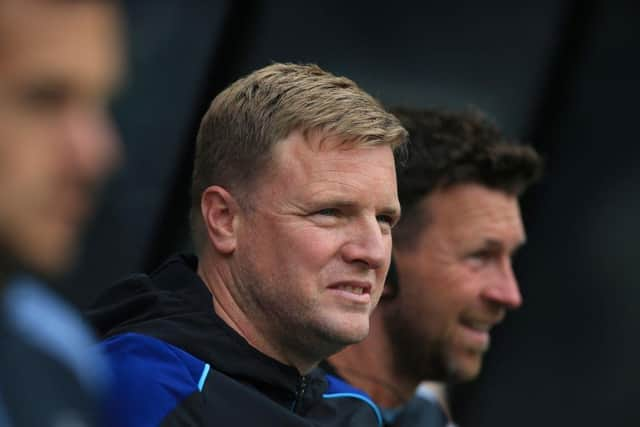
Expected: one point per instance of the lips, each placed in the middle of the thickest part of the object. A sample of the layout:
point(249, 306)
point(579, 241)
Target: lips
point(353, 289)
point(478, 326)
point(476, 333)
point(357, 291)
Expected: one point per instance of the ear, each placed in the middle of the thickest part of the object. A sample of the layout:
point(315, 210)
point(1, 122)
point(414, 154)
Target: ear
point(219, 213)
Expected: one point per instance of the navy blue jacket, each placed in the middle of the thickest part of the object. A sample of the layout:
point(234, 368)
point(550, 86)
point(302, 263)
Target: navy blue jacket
point(50, 375)
point(187, 367)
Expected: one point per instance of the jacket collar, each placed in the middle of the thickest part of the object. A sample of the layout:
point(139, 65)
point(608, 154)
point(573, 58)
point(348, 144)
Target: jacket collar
point(174, 305)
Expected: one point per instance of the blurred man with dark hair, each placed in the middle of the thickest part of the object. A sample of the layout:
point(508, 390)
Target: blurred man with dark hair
point(453, 247)
point(294, 197)
point(59, 64)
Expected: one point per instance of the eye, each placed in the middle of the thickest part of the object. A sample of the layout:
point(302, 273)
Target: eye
point(481, 254)
point(327, 216)
point(328, 212)
point(386, 222)
point(386, 219)
point(45, 97)
point(480, 257)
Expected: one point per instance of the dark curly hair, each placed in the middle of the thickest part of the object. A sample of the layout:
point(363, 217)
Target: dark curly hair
point(448, 148)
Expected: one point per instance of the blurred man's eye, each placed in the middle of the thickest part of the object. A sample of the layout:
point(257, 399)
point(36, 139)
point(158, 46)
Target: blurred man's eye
point(45, 98)
point(480, 257)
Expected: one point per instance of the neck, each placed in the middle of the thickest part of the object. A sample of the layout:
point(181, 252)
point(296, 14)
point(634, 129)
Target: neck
point(242, 319)
point(368, 366)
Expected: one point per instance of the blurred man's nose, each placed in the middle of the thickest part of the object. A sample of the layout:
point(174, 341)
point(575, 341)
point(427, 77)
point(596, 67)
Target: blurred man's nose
point(504, 290)
point(94, 145)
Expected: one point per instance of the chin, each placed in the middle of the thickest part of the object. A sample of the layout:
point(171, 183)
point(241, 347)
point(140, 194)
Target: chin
point(350, 332)
point(51, 262)
point(350, 337)
point(465, 369)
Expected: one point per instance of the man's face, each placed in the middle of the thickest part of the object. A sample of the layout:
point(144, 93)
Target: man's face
point(316, 246)
point(59, 63)
point(456, 283)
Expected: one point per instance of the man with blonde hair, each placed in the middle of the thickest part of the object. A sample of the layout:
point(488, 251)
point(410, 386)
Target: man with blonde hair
point(294, 197)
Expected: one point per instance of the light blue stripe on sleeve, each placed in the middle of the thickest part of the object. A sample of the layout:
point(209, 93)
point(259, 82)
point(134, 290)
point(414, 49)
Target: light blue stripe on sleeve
point(203, 377)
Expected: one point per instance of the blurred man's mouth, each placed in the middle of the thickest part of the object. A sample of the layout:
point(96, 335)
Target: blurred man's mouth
point(476, 333)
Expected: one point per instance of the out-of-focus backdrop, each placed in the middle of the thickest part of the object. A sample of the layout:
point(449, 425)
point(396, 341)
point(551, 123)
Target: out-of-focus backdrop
point(562, 75)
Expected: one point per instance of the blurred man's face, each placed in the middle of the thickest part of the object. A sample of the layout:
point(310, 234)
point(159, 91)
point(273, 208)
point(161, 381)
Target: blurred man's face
point(316, 247)
point(456, 283)
point(59, 63)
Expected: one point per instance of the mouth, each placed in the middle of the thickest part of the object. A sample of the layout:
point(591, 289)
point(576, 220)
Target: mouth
point(477, 325)
point(356, 291)
point(476, 334)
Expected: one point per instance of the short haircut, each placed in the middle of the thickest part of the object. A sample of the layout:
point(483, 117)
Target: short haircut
point(448, 148)
point(244, 122)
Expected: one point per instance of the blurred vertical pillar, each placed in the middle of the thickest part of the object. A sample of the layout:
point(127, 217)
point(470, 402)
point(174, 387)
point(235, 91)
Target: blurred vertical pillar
point(235, 39)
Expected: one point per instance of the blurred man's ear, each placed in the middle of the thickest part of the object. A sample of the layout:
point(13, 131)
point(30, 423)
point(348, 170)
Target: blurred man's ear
point(391, 288)
point(219, 212)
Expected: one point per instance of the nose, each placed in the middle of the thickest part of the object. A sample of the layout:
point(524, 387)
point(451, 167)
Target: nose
point(367, 244)
point(504, 290)
point(94, 148)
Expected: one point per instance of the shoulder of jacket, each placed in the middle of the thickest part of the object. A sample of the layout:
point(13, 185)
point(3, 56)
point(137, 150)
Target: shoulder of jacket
point(150, 378)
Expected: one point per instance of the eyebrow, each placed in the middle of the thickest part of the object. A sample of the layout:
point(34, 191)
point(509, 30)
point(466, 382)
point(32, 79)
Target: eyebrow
point(494, 244)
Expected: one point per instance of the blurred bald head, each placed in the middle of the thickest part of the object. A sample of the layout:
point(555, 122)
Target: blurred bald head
point(60, 62)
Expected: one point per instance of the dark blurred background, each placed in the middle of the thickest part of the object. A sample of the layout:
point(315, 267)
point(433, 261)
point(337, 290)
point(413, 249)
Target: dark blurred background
point(562, 75)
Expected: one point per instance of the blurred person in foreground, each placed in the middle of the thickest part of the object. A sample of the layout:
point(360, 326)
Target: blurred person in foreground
point(293, 200)
point(452, 279)
point(60, 62)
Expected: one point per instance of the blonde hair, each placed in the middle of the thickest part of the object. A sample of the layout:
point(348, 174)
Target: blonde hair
point(247, 119)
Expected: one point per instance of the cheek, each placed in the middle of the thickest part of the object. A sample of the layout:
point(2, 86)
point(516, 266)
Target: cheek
point(469, 285)
point(29, 128)
point(291, 254)
point(438, 294)
point(313, 247)
point(30, 156)
point(26, 197)
point(22, 181)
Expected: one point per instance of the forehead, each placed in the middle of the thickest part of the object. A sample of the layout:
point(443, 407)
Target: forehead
point(326, 166)
point(56, 39)
point(467, 212)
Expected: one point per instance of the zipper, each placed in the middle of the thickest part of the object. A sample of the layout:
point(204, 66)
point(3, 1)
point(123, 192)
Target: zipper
point(300, 389)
